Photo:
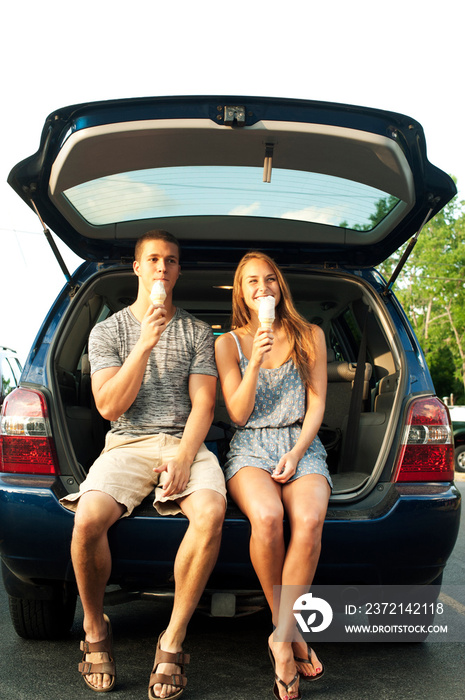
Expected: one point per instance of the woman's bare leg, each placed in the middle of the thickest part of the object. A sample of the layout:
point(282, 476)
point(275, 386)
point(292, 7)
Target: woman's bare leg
point(306, 502)
point(259, 498)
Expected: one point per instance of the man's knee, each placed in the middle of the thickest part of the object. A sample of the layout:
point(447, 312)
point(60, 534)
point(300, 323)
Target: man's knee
point(212, 515)
point(206, 511)
point(95, 513)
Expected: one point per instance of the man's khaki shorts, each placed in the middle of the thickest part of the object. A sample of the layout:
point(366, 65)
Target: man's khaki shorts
point(124, 470)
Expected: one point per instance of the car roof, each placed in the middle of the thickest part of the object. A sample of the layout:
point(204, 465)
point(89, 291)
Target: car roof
point(326, 182)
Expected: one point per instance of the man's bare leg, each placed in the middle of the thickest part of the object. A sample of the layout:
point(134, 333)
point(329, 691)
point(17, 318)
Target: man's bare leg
point(194, 562)
point(91, 557)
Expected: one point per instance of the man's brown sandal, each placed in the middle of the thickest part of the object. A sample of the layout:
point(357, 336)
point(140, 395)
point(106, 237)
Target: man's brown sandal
point(178, 680)
point(87, 668)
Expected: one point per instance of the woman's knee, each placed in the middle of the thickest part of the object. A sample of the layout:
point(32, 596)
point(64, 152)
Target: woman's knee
point(267, 521)
point(308, 528)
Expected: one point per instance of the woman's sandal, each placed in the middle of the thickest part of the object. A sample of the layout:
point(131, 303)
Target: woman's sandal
point(308, 661)
point(285, 685)
point(278, 679)
point(178, 680)
point(87, 668)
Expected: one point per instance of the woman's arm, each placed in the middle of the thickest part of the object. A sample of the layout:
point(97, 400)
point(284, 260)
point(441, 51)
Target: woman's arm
point(239, 392)
point(315, 408)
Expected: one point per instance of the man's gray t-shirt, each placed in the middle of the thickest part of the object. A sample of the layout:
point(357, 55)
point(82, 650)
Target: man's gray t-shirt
point(185, 347)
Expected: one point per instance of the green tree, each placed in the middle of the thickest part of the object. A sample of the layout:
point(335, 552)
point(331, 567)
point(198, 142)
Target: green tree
point(431, 288)
point(383, 207)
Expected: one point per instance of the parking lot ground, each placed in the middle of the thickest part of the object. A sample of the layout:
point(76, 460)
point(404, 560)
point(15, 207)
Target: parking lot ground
point(229, 658)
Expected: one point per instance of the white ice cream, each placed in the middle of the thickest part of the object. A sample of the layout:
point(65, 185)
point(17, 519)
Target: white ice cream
point(266, 312)
point(158, 294)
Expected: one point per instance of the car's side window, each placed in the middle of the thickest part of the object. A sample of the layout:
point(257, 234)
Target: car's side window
point(16, 369)
point(9, 381)
point(345, 337)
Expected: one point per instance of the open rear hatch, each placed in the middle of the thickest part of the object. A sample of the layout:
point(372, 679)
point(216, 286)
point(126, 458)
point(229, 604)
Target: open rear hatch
point(325, 182)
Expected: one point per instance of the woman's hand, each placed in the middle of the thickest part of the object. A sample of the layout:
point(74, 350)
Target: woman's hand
point(285, 468)
point(262, 343)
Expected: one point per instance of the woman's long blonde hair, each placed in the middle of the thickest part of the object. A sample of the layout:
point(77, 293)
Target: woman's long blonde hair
point(298, 330)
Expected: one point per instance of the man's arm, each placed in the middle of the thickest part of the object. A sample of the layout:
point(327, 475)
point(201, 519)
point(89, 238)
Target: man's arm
point(202, 393)
point(115, 388)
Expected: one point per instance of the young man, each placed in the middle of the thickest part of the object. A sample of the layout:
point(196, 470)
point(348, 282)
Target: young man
point(154, 378)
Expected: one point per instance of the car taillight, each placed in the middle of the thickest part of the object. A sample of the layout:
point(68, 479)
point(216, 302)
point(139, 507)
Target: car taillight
point(25, 436)
point(427, 450)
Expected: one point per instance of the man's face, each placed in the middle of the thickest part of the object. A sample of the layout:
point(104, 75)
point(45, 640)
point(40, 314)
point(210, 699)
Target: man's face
point(159, 260)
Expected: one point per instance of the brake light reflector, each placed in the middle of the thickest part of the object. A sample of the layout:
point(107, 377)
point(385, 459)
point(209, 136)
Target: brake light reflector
point(427, 449)
point(25, 436)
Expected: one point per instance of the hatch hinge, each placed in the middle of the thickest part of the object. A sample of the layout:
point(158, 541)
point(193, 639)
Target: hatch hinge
point(234, 115)
point(72, 289)
point(406, 254)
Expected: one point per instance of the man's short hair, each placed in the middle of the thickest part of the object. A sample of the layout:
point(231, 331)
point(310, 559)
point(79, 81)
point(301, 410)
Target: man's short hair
point(155, 235)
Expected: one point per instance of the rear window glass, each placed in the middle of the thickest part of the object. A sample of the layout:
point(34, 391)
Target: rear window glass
point(232, 191)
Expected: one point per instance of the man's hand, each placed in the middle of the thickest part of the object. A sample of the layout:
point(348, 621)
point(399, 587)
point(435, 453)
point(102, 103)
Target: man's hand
point(153, 324)
point(178, 473)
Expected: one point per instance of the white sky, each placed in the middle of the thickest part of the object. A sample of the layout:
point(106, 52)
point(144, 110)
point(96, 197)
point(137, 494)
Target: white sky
point(403, 56)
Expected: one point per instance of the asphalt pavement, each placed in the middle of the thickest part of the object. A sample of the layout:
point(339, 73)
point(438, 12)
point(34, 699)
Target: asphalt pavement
point(229, 656)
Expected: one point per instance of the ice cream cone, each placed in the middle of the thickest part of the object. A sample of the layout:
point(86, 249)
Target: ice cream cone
point(266, 323)
point(266, 313)
point(158, 294)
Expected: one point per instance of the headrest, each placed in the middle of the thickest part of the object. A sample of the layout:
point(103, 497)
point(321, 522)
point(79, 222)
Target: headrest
point(345, 371)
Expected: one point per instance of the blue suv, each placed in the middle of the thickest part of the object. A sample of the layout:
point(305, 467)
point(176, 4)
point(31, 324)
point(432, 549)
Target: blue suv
point(329, 191)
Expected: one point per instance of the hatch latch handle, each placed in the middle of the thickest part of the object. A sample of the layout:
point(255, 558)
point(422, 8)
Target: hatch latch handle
point(234, 115)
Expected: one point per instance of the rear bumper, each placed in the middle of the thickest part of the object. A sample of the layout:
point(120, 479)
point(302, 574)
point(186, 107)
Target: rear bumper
point(407, 538)
point(409, 544)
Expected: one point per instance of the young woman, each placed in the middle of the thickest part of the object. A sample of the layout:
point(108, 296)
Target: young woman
point(274, 387)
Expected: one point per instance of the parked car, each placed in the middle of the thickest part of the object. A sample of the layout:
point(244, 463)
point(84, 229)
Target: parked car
point(10, 371)
point(457, 414)
point(329, 191)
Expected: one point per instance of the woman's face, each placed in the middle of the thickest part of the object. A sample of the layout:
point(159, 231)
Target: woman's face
point(259, 280)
